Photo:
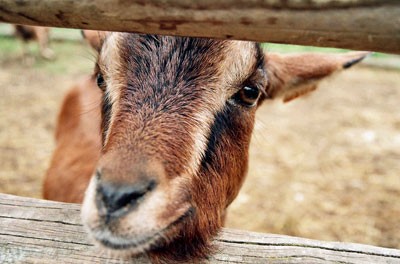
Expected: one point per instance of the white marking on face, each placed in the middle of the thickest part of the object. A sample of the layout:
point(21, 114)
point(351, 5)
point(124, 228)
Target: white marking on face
point(238, 63)
point(111, 62)
point(88, 211)
point(203, 123)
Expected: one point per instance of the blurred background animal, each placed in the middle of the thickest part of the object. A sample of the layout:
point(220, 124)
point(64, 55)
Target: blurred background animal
point(33, 33)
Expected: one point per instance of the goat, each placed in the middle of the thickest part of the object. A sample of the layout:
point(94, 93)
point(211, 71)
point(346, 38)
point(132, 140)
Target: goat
point(166, 150)
point(40, 34)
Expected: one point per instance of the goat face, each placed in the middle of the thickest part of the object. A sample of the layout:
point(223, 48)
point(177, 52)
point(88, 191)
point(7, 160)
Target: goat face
point(177, 117)
point(176, 122)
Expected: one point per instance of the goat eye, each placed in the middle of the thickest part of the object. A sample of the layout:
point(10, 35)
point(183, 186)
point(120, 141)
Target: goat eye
point(248, 96)
point(100, 81)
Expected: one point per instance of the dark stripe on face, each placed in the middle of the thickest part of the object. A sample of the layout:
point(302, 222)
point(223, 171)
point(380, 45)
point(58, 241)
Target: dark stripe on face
point(219, 129)
point(225, 125)
point(105, 116)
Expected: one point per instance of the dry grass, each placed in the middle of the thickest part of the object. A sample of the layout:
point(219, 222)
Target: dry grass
point(324, 167)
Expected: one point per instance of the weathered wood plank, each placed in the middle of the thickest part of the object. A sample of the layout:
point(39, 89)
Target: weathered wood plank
point(38, 231)
point(354, 24)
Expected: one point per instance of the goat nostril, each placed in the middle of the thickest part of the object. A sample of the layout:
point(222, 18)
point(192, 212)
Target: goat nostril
point(117, 199)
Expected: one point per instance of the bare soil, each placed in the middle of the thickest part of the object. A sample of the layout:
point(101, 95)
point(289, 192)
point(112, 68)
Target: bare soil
point(326, 166)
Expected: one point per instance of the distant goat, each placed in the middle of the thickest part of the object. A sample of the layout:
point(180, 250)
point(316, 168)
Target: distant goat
point(167, 147)
point(40, 34)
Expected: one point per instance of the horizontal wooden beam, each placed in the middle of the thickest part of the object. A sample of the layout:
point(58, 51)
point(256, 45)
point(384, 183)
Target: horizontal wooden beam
point(39, 231)
point(354, 24)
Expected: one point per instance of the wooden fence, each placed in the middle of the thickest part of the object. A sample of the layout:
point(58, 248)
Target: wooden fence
point(354, 24)
point(37, 231)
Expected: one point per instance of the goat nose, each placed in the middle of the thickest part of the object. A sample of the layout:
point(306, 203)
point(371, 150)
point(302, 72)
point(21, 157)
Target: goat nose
point(115, 200)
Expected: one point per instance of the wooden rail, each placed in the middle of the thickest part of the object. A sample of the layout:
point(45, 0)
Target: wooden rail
point(353, 24)
point(39, 231)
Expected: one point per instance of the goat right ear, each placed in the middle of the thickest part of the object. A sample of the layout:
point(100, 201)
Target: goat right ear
point(94, 38)
point(291, 76)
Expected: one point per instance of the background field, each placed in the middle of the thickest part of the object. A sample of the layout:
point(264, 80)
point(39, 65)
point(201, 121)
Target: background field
point(325, 167)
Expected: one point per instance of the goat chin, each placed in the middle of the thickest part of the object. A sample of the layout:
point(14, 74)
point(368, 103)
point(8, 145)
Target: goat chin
point(166, 246)
point(105, 238)
point(164, 243)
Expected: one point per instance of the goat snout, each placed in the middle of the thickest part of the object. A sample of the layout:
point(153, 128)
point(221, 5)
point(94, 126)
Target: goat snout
point(114, 200)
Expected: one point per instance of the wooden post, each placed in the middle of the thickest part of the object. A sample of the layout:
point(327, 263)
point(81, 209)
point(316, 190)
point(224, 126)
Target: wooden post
point(353, 24)
point(38, 231)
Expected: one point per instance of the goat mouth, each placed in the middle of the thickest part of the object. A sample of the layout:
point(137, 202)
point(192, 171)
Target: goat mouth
point(154, 241)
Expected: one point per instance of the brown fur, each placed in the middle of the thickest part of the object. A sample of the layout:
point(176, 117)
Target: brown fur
point(170, 115)
point(34, 33)
point(78, 144)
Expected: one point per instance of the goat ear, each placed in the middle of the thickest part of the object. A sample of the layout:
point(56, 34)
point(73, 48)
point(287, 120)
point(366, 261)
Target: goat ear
point(94, 38)
point(291, 76)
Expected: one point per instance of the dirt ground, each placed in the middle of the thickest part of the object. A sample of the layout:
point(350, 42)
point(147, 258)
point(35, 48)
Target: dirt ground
point(324, 167)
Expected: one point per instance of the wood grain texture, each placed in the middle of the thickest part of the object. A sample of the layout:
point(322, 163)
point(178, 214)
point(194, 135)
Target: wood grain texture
point(38, 231)
point(354, 24)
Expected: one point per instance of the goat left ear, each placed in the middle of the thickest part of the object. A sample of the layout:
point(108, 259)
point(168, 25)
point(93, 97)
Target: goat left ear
point(290, 76)
point(95, 38)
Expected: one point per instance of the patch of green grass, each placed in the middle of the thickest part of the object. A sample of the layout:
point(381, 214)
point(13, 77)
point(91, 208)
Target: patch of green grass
point(65, 33)
point(297, 48)
point(285, 48)
point(7, 46)
point(67, 54)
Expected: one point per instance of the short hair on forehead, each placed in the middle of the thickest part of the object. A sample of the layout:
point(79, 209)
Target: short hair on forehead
point(132, 44)
point(139, 60)
point(242, 60)
point(164, 59)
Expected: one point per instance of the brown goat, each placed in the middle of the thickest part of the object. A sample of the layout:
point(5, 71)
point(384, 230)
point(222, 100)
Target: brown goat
point(170, 151)
point(39, 34)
